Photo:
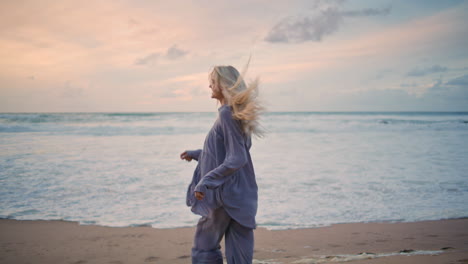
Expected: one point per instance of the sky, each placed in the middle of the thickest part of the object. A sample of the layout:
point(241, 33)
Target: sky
point(310, 55)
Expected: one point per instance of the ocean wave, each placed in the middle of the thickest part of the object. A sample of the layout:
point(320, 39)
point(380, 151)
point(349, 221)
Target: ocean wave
point(420, 122)
point(190, 126)
point(15, 129)
point(102, 130)
point(133, 114)
point(35, 118)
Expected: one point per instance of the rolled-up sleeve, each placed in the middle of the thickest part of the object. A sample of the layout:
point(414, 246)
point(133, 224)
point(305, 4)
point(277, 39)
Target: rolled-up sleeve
point(236, 154)
point(195, 154)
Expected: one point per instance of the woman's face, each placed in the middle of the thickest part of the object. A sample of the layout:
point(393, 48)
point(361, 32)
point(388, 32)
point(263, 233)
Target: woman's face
point(215, 90)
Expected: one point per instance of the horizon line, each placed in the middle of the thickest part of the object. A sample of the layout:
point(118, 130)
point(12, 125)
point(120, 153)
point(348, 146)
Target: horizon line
point(182, 112)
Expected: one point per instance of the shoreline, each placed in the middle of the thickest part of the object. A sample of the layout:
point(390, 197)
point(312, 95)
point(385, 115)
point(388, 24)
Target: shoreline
point(60, 241)
point(258, 226)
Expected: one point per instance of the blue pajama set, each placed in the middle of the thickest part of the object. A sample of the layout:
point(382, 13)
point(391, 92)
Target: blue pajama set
point(225, 175)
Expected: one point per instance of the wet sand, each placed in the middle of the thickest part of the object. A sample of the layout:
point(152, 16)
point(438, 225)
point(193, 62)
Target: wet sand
point(443, 241)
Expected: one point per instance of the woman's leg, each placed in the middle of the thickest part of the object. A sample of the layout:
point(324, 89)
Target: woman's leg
point(210, 231)
point(239, 244)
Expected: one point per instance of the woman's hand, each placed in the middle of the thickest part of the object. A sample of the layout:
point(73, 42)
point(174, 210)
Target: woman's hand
point(199, 196)
point(185, 156)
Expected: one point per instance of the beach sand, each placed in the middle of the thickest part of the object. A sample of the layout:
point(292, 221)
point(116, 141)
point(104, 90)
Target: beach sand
point(443, 241)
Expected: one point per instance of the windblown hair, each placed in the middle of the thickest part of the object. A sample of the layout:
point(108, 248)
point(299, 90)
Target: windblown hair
point(243, 98)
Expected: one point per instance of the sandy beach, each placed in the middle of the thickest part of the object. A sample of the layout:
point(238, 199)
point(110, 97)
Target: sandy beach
point(444, 241)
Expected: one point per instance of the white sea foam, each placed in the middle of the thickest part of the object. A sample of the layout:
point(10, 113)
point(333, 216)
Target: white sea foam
point(349, 257)
point(362, 256)
point(313, 169)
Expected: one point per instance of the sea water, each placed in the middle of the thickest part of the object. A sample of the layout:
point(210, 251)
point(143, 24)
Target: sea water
point(312, 168)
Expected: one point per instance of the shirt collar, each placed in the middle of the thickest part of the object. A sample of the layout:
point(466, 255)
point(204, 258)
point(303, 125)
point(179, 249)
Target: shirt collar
point(221, 107)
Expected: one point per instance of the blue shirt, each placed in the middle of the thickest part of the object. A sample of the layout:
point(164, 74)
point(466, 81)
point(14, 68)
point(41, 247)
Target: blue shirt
point(225, 172)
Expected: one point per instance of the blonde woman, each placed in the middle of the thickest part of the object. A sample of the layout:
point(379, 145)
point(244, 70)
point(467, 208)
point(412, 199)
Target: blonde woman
point(223, 189)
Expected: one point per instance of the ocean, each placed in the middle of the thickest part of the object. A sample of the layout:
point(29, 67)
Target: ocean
point(313, 168)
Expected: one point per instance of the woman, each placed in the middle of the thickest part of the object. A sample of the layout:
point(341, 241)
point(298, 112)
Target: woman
point(223, 189)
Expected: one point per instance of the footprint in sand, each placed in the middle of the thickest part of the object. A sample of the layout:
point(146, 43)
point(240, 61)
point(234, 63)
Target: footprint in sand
point(334, 245)
point(151, 259)
point(278, 250)
point(183, 257)
point(381, 240)
point(80, 262)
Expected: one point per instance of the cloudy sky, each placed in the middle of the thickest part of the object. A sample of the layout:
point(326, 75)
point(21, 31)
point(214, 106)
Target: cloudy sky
point(155, 56)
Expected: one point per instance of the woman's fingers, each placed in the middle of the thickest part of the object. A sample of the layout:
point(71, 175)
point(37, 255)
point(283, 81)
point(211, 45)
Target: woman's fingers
point(185, 156)
point(199, 195)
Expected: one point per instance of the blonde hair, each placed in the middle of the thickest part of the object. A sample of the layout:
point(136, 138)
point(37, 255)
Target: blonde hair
point(241, 97)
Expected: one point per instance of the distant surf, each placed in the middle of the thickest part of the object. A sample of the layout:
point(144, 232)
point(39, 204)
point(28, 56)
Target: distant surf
point(313, 168)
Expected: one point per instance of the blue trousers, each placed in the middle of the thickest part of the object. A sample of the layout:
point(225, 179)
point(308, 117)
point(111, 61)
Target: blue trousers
point(239, 240)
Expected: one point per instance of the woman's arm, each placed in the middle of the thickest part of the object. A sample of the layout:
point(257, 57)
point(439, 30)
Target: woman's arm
point(236, 154)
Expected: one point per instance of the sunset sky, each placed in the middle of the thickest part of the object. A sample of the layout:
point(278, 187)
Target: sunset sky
point(155, 56)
